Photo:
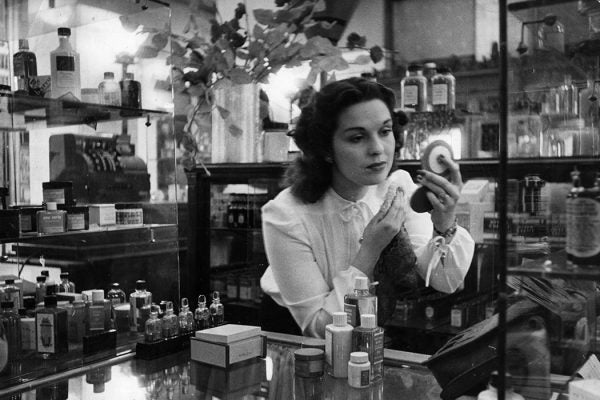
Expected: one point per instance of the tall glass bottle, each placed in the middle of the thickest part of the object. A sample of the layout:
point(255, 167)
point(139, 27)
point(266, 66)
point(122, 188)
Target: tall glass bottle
point(139, 300)
point(186, 317)
point(24, 66)
point(567, 94)
point(217, 312)
point(583, 237)
point(40, 289)
point(360, 301)
point(413, 89)
point(11, 324)
point(64, 67)
point(131, 91)
point(202, 314)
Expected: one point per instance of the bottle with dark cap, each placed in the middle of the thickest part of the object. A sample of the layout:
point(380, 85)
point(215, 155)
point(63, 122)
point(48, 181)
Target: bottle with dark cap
point(24, 66)
point(139, 311)
point(51, 329)
point(10, 323)
point(64, 68)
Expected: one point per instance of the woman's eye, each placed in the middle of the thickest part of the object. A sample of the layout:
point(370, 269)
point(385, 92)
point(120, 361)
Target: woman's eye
point(356, 139)
point(386, 131)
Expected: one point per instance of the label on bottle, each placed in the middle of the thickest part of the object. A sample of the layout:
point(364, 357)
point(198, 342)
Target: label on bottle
point(65, 72)
point(456, 317)
point(411, 95)
point(584, 227)
point(96, 318)
point(51, 222)
point(75, 222)
point(26, 221)
point(351, 311)
point(45, 328)
point(440, 94)
point(28, 333)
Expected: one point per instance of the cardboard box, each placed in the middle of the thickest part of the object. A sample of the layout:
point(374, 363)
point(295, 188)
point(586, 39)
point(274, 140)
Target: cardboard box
point(103, 214)
point(228, 333)
point(585, 389)
point(225, 354)
point(470, 216)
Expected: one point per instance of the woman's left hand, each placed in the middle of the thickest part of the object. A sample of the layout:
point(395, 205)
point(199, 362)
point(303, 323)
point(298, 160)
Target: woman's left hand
point(443, 193)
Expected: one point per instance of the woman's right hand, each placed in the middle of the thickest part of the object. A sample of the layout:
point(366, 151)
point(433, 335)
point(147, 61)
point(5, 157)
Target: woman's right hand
point(387, 222)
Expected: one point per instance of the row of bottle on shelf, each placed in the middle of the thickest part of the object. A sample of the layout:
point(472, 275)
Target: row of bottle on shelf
point(237, 210)
point(65, 77)
point(428, 88)
point(55, 318)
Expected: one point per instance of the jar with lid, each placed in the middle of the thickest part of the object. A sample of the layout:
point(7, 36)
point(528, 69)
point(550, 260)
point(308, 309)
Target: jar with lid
point(443, 92)
point(359, 370)
point(551, 37)
point(429, 71)
point(308, 377)
point(413, 89)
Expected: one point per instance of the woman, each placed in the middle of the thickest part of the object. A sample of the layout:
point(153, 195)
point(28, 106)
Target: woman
point(329, 226)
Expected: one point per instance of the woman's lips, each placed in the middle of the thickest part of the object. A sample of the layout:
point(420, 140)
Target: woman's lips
point(377, 166)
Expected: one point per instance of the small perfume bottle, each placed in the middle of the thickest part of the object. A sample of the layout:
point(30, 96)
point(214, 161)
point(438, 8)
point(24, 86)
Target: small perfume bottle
point(115, 295)
point(51, 220)
point(40, 289)
point(95, 313)
point(66, 286)
point(217, 312)
point(153, 327)
point(186, 317)
point(170, 323)
point(140, 301)
point(51, 329)
point(12, 293)
point(202, 315)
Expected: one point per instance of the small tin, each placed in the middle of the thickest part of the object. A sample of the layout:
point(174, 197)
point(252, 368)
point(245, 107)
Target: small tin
point(78, 217)
point(309, 362)
point(129, 214)
point(58, 192)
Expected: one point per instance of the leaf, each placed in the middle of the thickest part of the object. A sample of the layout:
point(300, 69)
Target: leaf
point(147, 52)
point(235, 130)
point(196, 42)
point(376, 53)
point(256, 50)
point(258, 32)
point(330, 63)
point(263, 16)
point(317, 45)
point(274, 37)
point(240, 76)
point(177, 49)
point(320, 6)
point(223, 112)
point(160, 40)
point(363, 59)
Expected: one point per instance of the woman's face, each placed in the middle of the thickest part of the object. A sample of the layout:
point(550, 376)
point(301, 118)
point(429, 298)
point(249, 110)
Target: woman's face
point(363, 148)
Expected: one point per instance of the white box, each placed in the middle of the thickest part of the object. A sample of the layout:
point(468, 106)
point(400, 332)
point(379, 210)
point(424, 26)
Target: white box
point(474, 191)
point(103, 214)
point(585, 389)
point(470, 216)
point(228, 333)
point(224, 354)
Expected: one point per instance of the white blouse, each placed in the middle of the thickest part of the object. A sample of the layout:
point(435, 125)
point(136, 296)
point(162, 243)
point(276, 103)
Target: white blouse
point(310, 248)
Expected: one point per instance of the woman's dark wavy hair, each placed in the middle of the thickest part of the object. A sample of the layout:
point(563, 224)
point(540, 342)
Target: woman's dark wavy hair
point(310, 175)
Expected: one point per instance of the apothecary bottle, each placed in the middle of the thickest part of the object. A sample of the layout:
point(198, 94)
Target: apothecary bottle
point(140, 301)
point(66, 286)
point(583, 222)
point(202, 314)
point(153, 327)
point(13, 294)
point(131, 91)
point(10, 323)
point(443, 90)
point(217, 312)
point(360, 301)
point(64, 67)
point(51, 328)
point(551, 37)
point(109, 92)
point(24, 66)
point(170, 322)
point(116, 295)
point(413, 89)
point(186, 317)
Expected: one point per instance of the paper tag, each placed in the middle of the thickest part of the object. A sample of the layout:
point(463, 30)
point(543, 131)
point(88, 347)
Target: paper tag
point(591, 368)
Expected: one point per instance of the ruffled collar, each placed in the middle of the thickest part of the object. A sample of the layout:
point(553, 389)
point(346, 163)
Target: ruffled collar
point(351, 209)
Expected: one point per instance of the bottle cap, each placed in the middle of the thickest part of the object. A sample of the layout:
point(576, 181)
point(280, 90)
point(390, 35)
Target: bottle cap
point(359, 357)
point(99, 387)
point(115, 285)
point(361, 283)
point(216, 295)
point(64, 275)
point(7, 304)
point(9, 281)
point(184, 302)
point(495, 378)
point(50, 301)
point(40, 278)
point(51, 206)
point(415, 67)
point(309, 354)
point(64, 31)
point(430, 65)
point(97, 295)
point(140, 284)
point(368, 321)
point(45, 273)
point(340, 318)
point(202, 299)
point(29, 302)
point(129, 75)
point(23, 44)
point(109, 75)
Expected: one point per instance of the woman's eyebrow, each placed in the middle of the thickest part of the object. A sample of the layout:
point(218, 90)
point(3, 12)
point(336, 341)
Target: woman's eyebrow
point(353, 128)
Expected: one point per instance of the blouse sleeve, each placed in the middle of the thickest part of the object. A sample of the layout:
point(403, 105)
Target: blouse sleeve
point(302, 286)
point(446, 276)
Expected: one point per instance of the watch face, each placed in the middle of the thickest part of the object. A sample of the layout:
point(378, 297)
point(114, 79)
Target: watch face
point(433, 151)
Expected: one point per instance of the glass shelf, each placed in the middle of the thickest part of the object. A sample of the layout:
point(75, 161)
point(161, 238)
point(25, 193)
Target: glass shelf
point(58, 112)
point(554, 266)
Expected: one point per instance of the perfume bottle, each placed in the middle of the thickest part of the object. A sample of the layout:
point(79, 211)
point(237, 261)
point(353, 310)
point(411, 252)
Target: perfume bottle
point(66, 286)
point(51, 329)
point(368, 337)
point(64, 67)
point(115, 295)
point(153, 327)
point(24, 66)
point(77, 321)
point(202, 315)
point(170, 322)
point(40, 289)
point(131, 91)
point(217, 312)
point(51, 220)
point(11, 325)
point(12, 293)
point(359, 302)
point(140, 300)
point(95, 318)
point(186, 317)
